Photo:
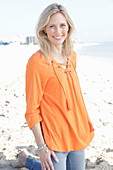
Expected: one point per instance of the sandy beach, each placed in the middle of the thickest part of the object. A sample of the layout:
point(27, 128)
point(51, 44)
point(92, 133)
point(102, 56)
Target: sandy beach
point(96, 79)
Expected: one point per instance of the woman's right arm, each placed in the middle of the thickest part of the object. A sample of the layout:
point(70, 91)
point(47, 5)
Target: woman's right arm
point(45, 153)
point(38, 134)
point(35, 85)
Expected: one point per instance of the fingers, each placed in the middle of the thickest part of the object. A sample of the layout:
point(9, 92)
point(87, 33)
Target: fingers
point(47, 165)
point(51, 165)
point(45, 157)
point(43, 166)
point(54, 156)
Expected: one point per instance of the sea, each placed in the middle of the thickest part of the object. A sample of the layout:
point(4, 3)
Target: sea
point(99, 50)
point(97, 57)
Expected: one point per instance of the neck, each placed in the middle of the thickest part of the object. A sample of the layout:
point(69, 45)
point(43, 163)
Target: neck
point(57, 51)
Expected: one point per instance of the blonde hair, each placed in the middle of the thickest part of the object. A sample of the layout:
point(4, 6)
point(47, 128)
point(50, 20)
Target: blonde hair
point(42, 36)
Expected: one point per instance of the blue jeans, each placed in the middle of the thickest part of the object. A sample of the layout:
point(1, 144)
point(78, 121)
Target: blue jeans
point(74, 160)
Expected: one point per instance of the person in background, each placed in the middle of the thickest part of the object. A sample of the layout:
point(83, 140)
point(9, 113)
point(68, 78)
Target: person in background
point(55, 110)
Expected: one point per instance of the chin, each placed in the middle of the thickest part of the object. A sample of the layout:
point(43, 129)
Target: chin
point(58, 43)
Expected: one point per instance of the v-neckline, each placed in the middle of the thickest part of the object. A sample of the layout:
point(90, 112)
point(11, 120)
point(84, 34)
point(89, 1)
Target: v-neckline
point(60, 64)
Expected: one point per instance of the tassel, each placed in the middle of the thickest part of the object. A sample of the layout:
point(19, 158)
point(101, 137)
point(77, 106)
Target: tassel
point(91, 127)
point(68, 105)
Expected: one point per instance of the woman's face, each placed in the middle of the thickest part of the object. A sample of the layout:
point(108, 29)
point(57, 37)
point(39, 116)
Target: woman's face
point(57, 29)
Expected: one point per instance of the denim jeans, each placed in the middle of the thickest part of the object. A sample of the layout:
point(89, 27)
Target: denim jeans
point(74, 160)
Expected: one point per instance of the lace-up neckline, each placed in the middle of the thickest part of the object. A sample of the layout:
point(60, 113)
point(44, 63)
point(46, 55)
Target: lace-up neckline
point(60, 65)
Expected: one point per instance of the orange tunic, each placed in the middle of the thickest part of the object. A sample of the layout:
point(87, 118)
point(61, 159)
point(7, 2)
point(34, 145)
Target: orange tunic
point(54, 98)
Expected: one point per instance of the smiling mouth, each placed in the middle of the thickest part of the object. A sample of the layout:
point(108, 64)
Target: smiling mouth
point(58, 38)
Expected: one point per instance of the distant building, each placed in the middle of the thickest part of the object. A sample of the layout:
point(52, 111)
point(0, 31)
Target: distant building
point(31, 40)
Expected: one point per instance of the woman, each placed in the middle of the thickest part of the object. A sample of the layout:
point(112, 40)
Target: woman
point(56, 112)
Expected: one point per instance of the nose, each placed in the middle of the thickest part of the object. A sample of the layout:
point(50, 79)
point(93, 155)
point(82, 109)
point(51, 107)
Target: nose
point(58, 30)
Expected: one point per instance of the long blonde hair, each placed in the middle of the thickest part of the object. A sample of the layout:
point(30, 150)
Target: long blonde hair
point(42, 36)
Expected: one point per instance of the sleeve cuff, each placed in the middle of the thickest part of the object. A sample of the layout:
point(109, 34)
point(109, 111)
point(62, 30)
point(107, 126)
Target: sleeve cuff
point(33, 119)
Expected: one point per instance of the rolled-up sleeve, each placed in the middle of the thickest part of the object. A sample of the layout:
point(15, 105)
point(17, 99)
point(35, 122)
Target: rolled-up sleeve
point(34, 93)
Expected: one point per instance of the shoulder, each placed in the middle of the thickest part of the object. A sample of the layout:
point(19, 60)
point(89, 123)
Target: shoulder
point(74, 56)
point(36, 60)
point(73, 59)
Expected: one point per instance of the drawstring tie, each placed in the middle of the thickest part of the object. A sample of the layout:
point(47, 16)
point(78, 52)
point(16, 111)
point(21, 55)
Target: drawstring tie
point(68, 105)
point(67, 102)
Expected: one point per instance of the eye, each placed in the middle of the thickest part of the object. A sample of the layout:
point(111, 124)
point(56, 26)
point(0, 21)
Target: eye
point(63, 25)
point(51, 26)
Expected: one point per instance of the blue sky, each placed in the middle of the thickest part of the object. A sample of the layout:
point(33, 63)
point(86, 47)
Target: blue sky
point(92, 18)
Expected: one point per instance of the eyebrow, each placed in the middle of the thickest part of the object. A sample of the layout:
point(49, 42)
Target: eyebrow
point(60, 23)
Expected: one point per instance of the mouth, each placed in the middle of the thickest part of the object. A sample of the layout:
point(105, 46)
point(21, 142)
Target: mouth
point(58, 38)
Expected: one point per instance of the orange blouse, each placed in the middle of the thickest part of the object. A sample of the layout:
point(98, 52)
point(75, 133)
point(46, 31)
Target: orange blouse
point(54, 98)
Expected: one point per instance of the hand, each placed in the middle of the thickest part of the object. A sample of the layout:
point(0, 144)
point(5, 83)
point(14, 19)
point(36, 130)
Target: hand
point(45, 158)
